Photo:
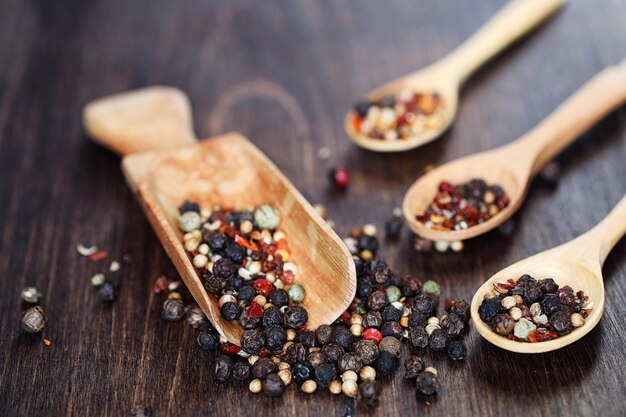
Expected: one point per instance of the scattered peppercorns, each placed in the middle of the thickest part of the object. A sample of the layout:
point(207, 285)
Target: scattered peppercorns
point(459, 207)
point(399, 117)
point(531, 310)
point(33, 320)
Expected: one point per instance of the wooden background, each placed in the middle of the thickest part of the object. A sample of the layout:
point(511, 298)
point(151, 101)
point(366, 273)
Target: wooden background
point(283, 73)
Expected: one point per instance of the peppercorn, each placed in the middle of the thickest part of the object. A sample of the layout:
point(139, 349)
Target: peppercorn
point(453, 325)
point(381, 273)
point(188, 206)
point(462, 309)
point(33, 320)
point(561, 322)
point(372, 319)
point(256, 385)
point(424, 304)
point(295, 353)
point(390, 313)
point(430, 287)
point(263, 367)
point(377, 300)
point(295, 316)
point(342, 337)
point(196, 318)
point(224, 268)
point(216, 241)
point(212, 283)
point(566, 295)
point(309, 386)
point(273, 386)
point(279, 298)
point(209, 341)
point(325, 373)
point(241, 371)
point(391, 345)
point(393, 227)
point(503, 324)
point(333, 351)
point(391, 328)
point(107, 292)
point(417, 318)
point(418, 336)
point(252, 341)
point(246, 292)
point(173, 310)
point(532, 292)
point(297, 293)
point(31, 294)
point(350, 362)
point(548, 285)
point(364, 287)
point(230, 310)
point(302, 371)
point(438, 340)
point(323, 334)
point(489, 308)
point(370, 392)
point(234, 283)
point(350, 411)
point(367, 351)
point(457, 350)
point(189, 221)
point(427, 383)
point(413, 366)
point(550, 303)
point(248, 322)
point(272, 316)
point(223, 367)
point(267, 217)
point(386, 364)
point(317, 358)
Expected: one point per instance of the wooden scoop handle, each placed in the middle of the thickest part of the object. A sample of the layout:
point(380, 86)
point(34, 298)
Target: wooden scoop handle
point(511, 23)
point(609, 231)
point(141, 120)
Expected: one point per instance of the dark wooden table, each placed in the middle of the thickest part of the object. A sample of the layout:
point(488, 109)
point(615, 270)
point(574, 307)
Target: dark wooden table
point(283, 73)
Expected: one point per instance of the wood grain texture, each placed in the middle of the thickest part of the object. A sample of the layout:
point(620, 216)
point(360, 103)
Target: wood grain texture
point(283, 73)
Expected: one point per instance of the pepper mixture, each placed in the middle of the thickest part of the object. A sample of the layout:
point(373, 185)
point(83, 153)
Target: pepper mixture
point(349, 355)
point(398, 117)
point(458, 207)
point(531, 310)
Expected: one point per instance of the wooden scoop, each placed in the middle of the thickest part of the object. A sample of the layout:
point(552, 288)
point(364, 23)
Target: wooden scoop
point(577, 263)
point(446, 76)
point(164, 165)
point(512, 166)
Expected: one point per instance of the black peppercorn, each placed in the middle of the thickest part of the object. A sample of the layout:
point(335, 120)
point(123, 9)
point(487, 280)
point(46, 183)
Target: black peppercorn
point(211, 282)
point(381, 273)
point(216, 241)
point(246, 292)
point(241, 371)
point(503, 324)
point(392, 328)
point(295, 316)
point(307, 338)
point(223, 268)
point(350, 362)
point(279, 298)
point(462, 309)
point(427, 383)
point(252, 341)
point(367, 351)
point(230, 310)
point(324, 374)
point(532, 292)
point(369, 392)
point(367, 242)
point(386, 364)
point(413, 366)
point(302, 371)
point(372, 319)
point(275, 337)
point(273, 386)
point(317, 358)
point(173, 310)
point(438, 340)
point(424, 304)
point(417, 318)
point(323, 334)
point(364, 287)
point(550, 303)
point(263, 367)
point(333, 351)
point(418, 336)
point(295, 353)
point(236, 253)
point(561, 322)
point(342, 336)
point(273, 315)
point(248, 322)
point(361, 108)
point(391, 345)
point(188, 206)
point(453, 324)
point(411, 286)
point(548, 285)
point(208, 341)
point(390, 313)
point(223, 367)
point(457, 350)
point(489, 308)
point(107, 291)
point(393, 227)
point(377, 300)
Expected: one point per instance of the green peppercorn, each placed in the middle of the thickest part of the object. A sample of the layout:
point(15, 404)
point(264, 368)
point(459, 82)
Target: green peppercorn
point(267, 217)
point(296, 293)
point(431, 287)
point(393, 293)
point(189, 220)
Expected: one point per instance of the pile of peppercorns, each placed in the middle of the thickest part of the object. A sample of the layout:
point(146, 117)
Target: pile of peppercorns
point(458, 207)
point(398, 117)
point(349, 355)
point(530, 310)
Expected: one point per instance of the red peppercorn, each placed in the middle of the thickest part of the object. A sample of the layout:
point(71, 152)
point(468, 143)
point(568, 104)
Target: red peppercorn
point(287, 277)
point(446, 187)
point(229, 349)
point(255, 310)
point(340, 176)
point(373, 334)
point(263, 287)
point(160, 284)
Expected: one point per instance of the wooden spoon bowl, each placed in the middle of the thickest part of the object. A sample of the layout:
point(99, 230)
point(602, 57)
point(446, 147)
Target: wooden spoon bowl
point(229, 171)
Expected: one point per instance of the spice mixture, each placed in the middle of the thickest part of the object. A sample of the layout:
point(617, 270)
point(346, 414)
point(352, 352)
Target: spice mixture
point(458, 207)
point(399, 117)
point(530, 310)
point(350, 355)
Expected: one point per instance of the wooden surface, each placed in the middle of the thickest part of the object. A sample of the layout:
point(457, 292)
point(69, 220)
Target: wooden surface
point(283, 73)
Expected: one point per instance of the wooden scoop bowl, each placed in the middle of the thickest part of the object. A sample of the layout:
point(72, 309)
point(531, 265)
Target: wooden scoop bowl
point(164, 165)
point(446, 76)
point(577, 263)
point(513, 166)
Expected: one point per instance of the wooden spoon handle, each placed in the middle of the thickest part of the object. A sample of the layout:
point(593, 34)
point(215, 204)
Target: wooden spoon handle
point(594, 100)
point(608, 232)
point(140, 120)
point(511, 23)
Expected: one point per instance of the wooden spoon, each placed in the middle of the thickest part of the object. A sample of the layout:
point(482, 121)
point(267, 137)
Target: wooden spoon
point(446, 76)
point(577, 263)
point(164, 165)
point(512, 166)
